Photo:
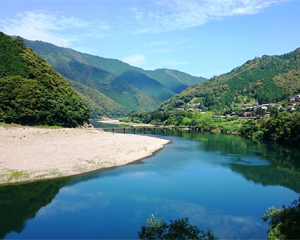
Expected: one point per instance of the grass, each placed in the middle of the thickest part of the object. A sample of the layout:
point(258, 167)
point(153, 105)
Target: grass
point(14, 175)
point(229, 126)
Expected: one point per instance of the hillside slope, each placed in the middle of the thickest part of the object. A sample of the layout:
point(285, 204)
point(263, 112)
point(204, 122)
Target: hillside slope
point(142, 90)
point(32, 92)
point(100, 105)
point(174, 80)
point(268, 79)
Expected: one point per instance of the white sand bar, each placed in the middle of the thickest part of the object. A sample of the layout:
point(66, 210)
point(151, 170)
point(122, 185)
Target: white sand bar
point(29, 153)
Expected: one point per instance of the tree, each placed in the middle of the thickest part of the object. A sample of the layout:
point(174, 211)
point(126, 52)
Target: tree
point(177, 229)
point(260, 112)
point(284, 223)
point(249, 127)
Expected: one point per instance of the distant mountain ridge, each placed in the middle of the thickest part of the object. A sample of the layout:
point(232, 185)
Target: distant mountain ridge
point(130, 88)
point(268, 79)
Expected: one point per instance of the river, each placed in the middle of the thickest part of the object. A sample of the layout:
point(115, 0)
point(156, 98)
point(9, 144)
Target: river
point(221, 182)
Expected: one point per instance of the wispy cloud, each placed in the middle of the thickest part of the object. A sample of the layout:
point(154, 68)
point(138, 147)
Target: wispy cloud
point(135, 60)
point(49, 27)
point(166, 15)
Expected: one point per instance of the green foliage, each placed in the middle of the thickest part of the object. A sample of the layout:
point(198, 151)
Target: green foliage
point(262, 80)
point(100, 105)
point(284, 128)
point(177, 229)
point(32, 93)
point(284, 223)
point(130, 87)
point(148, 85)
point(11, 62)
point(203, 121)
point(281, 127)
point(249, 127)
point(174, 80)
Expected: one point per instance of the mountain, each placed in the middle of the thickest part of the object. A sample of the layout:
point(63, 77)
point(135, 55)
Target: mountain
point(268, 79)
point(130, 87)
point(99, 104)
point(32, 92)
point(174, 80)
point(147, 84)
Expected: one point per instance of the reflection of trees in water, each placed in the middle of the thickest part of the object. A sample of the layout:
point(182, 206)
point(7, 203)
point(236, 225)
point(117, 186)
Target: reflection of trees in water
point(18, 203)
point(267, 175)
point(284, 168)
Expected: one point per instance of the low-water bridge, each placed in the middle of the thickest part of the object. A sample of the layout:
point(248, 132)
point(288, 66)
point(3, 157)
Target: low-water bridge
point(134, 129)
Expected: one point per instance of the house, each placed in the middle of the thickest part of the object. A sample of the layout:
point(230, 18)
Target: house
point(295, 98)
point(248, 114)
point(291, 108)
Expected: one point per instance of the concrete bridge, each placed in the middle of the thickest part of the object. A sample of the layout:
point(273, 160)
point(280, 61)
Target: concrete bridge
point(134, 129)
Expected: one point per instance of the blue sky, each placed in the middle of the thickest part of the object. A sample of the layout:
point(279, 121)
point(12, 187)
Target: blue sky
point(199, 37)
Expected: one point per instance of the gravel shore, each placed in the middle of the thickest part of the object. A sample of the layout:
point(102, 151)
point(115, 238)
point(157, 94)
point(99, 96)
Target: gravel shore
point(30, 153)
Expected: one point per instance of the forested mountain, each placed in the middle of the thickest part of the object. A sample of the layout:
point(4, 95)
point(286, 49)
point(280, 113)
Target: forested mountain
point(175, 80)
point(99, 104)
point(267, 79)
point(32, 92)
point(129, 87)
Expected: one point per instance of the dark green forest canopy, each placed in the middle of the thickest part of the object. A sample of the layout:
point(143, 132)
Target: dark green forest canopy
point(32, 93)
point(268, 79)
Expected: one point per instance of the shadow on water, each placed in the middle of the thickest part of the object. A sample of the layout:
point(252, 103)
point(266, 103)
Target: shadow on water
point(19, 203)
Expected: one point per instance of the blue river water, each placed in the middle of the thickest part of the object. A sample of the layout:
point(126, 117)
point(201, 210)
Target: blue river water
point(221, 182)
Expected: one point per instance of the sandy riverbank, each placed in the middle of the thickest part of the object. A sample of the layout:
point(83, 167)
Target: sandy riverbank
point(28, 153)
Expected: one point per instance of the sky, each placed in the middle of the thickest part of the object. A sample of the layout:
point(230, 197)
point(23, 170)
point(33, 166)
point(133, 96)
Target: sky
point(200, 37)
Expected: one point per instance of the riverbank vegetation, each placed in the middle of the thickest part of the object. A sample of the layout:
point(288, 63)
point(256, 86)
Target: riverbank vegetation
point(283, 127)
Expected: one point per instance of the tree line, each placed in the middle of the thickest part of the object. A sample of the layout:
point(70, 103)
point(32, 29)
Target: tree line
point(283, 127)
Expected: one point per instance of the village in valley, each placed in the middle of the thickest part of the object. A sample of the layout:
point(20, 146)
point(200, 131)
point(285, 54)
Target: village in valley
point(258, 111)
point(254, 111)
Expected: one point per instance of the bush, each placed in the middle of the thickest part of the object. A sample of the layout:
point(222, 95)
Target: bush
point(178, 229)
point(284, 223)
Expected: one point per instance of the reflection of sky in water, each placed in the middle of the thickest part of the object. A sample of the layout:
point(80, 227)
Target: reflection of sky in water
point(180, 181)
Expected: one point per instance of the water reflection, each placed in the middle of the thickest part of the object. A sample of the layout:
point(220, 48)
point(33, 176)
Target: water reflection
point(261, 162)
point(202, 176)
point(247, 157)
point(19, 203)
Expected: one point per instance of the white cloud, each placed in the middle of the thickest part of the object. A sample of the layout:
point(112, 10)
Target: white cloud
point(135, 60)
point(49, 27)
point(166, 15)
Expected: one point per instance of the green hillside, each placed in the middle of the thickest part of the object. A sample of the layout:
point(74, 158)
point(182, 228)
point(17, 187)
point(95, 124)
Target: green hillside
point(175, 80)
point(32, 92)
point(100, 105)
point(141, 89)
point(147, 85)
point(268, 79)
point(127, 96)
